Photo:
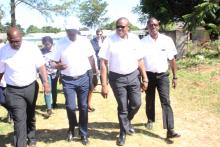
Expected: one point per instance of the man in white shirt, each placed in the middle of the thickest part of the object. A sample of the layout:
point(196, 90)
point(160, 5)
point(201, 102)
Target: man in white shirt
point(158, 50)
point(19, 62)
point(74, 56)
point(121, 52)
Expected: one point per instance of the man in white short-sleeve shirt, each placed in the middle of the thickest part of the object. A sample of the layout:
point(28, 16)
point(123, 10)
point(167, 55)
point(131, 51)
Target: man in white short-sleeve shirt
point(121, 55)
point(74, 57)
point(19, 62)
point(158, 50)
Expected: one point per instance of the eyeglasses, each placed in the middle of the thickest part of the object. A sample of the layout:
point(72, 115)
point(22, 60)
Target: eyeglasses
point(153, 25)
point(120, 27)
point(14, 41)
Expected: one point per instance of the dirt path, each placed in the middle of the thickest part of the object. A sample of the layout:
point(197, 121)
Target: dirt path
point(198, 127)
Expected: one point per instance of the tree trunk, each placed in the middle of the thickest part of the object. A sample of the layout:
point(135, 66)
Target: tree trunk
point(13, 20)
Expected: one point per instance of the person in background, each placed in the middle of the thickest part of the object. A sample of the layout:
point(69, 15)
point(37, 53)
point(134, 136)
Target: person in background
point(158, 50)
point(1, 43)
point(48, 53)
point(74, 57)
point(122, 52)
point(96, 43)
point(19, 63)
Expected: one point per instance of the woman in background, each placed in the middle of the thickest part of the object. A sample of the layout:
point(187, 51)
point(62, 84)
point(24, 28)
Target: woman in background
point(47, 52)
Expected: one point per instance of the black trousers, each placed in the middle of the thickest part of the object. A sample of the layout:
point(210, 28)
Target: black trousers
point(159, 81)
point(21, 102)
point(127, 91)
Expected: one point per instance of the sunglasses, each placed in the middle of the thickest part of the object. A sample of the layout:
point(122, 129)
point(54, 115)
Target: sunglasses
point(120, 27)
point(153, 25)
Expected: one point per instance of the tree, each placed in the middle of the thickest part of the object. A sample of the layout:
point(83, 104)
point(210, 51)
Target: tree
point(44, 7)
point(111, 26)
point(166, 11)
point(2, 29)
point(49, 29)
point(206, 14)
point(91, 13)
point(33, 29)
point(192, 12)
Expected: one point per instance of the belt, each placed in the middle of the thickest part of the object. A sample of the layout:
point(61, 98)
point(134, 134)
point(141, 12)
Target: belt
point(72, 78)
point(19, 87)
point(156, 73)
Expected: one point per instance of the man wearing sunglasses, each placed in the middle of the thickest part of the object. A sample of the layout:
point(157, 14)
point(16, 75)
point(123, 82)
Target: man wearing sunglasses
point(159, 49)
point(121, 52)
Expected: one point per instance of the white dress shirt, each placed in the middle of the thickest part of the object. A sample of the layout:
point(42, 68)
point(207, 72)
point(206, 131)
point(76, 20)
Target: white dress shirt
point(121, 54)
point(20, 66)
point(158, 52)
point(75, 55)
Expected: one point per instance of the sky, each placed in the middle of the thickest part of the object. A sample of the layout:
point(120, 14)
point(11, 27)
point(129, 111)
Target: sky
point(116, 8)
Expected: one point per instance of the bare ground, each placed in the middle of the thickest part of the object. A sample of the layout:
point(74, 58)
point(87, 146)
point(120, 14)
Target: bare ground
point(198, 126)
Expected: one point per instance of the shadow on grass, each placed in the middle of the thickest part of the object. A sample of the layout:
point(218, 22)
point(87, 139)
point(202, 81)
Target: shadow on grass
point(43, 107)
point(6, 139)
point(97, 130)
point(150, 134)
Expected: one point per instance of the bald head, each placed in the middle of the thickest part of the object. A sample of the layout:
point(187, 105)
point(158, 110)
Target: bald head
point(14, 37)
point(122, 27)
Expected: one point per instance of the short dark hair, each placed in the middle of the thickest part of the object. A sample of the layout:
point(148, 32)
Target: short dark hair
point(151, 19)
point(99, 30)
point(47, 39)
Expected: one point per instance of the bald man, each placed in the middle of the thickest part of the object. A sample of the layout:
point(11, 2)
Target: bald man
point(19, 62)
point(121, 52)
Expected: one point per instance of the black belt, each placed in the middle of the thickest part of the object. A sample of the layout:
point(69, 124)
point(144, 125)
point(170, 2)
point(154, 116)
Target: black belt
point(19, 87)
point(72, 78)
point(156, 73)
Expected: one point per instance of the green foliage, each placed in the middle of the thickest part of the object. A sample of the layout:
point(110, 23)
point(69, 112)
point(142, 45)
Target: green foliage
point(32, 29)
point(201, 53)
point(2, 13)
point(206, 14)
point(91, 13)
point(193, 12)
point(49, 29)
point(46, 29)
point(167, 11)
point(111, 26)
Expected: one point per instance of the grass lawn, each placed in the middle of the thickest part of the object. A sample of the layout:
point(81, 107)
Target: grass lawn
point(195, 102)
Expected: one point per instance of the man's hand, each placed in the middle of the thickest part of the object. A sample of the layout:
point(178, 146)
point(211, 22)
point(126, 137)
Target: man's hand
point(47, 89)
point(144, 86)
point(60, 66)
point(104, 91)
point(174, 82)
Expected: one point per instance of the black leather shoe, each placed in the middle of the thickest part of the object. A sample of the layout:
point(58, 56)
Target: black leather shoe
point(131, 129)
point(121, 139)
point(32, 142)
point(172, 134)
point(149, 125)
point(70, 135)
point(84, 140)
